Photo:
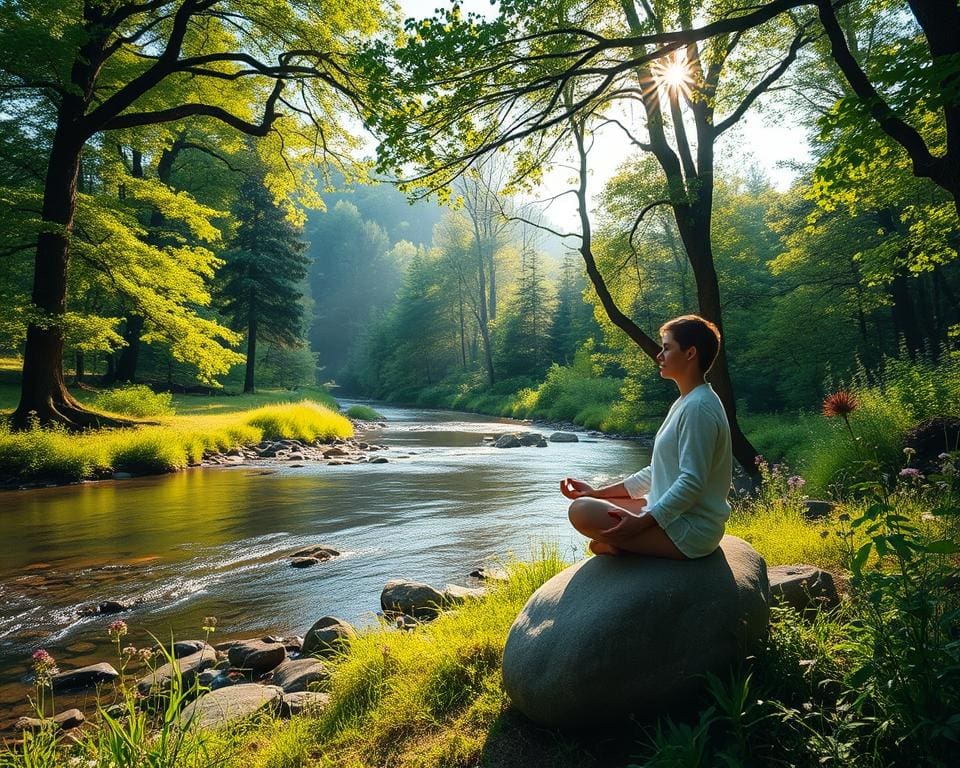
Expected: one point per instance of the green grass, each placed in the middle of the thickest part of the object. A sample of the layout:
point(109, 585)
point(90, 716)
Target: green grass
point(363, 413)
point(51, 454)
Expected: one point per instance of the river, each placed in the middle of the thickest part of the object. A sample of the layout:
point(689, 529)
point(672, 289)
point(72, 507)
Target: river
point(216, 541)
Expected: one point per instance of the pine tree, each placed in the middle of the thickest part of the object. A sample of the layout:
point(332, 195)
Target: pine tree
point(262, 274)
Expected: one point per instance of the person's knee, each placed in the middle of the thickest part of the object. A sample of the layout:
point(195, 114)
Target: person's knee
point(584, 513)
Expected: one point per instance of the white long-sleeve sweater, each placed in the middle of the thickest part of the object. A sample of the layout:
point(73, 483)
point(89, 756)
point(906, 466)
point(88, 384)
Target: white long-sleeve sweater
point(688, 479)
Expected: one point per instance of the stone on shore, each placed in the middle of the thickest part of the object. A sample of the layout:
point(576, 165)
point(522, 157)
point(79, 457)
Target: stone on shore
point(815, 509)
point(530, 438)
point(802, 587)
point(326, 637)
point(613, 636)
point(228, 705)
point(296, 675)
point(65, 720)
point(84, 677)
point(507, 441)
point(190, 666)
point(454, 594)
point(257, 656)
point(564, 437)
point(411, 598)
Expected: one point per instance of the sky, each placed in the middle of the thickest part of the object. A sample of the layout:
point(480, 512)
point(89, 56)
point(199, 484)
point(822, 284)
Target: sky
point(768, 140)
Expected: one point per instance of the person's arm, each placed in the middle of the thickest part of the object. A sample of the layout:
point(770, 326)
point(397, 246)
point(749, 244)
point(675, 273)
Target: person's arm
point(697, 440)
point(575, 489)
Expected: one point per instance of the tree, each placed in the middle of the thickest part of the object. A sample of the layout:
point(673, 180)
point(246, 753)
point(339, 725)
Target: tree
point(263, 273)
point(547, 75)
point(104, 67)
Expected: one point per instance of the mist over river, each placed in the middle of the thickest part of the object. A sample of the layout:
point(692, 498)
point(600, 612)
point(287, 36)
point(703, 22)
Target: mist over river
point(216, 541)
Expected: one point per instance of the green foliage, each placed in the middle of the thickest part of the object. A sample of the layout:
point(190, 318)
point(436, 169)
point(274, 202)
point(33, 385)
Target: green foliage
point(134, 400)
point(364, 413)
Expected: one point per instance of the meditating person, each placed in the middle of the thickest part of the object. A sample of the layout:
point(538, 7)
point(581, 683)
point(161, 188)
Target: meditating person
point(677, 506)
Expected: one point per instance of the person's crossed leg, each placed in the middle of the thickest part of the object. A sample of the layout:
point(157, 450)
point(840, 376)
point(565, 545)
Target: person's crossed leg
point(596, 519)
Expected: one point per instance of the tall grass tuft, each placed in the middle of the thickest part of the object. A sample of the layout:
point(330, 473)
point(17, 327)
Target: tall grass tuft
point(136, 400)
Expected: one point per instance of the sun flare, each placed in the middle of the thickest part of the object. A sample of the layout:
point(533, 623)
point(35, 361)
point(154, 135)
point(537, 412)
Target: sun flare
point(673, 73)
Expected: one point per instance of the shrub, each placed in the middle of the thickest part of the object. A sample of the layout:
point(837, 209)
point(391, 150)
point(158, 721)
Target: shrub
point(363, 413)
point(136, 400)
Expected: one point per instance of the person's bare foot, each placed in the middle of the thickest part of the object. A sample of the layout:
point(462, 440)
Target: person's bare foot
point(601, 548)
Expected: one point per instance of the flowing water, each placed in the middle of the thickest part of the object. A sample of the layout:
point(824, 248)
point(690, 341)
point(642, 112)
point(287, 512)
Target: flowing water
point(215, 542)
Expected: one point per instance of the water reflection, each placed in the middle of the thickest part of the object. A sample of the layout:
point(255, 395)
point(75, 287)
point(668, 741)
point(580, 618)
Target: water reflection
point(215, 542)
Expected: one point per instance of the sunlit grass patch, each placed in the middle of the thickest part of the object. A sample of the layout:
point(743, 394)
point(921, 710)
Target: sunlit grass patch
point(783, 536)
point(54, 454)
point(136, 400)
point(364, 413)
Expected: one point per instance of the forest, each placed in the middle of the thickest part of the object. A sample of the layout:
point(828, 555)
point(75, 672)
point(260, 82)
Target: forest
point(493, 208)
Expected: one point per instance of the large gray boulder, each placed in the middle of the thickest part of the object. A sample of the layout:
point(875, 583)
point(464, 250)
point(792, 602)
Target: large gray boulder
point(802, 587)
point(564, 437)
point(257, 656)
point(613, 636)
point(227, 705)
point(327, 636)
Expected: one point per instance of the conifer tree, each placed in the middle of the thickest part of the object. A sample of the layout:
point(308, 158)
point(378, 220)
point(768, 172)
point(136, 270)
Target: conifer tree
point(263, 274)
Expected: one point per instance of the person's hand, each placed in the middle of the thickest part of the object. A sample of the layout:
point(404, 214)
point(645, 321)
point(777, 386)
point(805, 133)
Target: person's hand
point(574, 489)
point(627, 524)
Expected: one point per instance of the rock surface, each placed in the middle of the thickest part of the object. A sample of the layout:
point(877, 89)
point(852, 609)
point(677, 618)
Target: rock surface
point(411, 598)
point(296, 675)
point(301, 702)
point(611, 636)
point(507, 441)
point(564, 437)
point(190, 666)
point(326, 636)
point(814, 509)
point(84, 677)
point(257, 656)
point(802, 587)
point(65, 720)
point(227, 705)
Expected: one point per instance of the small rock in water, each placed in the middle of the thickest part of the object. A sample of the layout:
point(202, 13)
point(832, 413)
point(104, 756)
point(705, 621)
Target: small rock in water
point(318, 551)
point(84, 677)
point(303, 562)
point(378, 460)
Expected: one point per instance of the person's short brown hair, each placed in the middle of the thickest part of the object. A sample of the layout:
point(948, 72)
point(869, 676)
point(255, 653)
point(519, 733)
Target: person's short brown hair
point(695, 331)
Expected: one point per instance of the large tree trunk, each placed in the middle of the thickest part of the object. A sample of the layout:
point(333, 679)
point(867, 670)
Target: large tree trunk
point(44, 398)
point(130, 354)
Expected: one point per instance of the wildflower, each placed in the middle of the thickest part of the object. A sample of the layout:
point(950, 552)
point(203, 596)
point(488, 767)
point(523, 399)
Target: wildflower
point(117, 629)
point(840, 403)
point(145, 654)
point(209, 624)
point(795, 482)
point(758, 459)
point(944, 456)
point(129, 651)
point(908, 451)
point(44, 666)
point(911, 472)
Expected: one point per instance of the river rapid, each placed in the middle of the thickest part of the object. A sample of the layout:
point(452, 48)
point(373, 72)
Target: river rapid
point(216, 541)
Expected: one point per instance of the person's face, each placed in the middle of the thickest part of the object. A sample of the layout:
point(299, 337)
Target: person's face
point(672, 360)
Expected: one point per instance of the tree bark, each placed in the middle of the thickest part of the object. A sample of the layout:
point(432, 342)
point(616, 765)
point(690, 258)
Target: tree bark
point(248, 378)
point(44, 398)
point(130, 354)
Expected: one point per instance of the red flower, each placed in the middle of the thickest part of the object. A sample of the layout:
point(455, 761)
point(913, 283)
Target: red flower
point(840, 403)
